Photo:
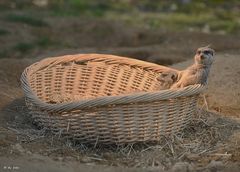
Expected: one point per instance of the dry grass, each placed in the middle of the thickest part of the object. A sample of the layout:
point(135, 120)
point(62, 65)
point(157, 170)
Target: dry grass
point(204, 139)
point(204, 136)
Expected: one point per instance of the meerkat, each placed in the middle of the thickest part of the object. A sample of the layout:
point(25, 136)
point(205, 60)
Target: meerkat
point(198, 72)
point(166, 79)
point(195, 74)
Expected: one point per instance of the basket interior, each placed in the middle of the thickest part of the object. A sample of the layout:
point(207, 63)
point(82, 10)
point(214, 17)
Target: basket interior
point(73, 81)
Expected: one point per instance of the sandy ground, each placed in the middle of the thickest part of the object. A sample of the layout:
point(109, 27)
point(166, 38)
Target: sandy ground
point(223, 93)
point(26, 148)
point(38, 163)
point(223, 98)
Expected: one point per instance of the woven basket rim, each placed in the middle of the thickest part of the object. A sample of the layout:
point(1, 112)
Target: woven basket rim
point(139, 97)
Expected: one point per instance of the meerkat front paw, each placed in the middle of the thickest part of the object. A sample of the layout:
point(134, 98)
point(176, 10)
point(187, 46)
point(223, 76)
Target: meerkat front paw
point(166, 80)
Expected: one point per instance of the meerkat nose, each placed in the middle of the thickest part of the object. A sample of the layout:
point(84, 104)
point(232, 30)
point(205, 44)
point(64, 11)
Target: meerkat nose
point(202, 56)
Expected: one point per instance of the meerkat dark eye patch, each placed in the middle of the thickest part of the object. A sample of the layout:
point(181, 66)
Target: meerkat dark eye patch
point(199, 51)
point(208, 52)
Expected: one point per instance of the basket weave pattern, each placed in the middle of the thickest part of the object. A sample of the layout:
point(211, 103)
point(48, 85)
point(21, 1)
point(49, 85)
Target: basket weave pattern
point(105, 98)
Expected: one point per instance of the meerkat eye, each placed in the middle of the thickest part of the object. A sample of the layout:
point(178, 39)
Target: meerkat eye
point(198, 52)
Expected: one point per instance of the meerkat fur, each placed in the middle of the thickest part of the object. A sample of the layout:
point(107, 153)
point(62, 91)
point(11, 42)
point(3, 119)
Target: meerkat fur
point(198, 72)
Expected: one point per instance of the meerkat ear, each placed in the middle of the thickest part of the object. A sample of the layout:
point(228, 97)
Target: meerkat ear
point(209, 46)
point(213, 51)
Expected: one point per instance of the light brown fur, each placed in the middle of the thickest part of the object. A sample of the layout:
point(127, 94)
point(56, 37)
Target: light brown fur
point(195, 74)
point(166, 79)
point(198, 72)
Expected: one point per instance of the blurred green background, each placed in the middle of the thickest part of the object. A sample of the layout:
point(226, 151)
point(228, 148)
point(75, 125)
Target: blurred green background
point(215, 15)
point(34, 27)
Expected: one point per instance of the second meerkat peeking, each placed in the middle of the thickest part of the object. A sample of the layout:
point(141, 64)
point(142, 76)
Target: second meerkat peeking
point(194, 74)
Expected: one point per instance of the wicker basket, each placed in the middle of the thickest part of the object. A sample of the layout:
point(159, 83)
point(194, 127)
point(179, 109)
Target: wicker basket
point(105, 99)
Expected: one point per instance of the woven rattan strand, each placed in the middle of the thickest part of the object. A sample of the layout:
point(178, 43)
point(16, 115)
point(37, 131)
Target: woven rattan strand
point(106, 99)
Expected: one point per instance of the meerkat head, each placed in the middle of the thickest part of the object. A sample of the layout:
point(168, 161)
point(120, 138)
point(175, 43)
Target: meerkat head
point(204, 56)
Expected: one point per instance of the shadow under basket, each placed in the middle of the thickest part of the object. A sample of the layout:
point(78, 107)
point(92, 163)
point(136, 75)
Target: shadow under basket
point(105, 99)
